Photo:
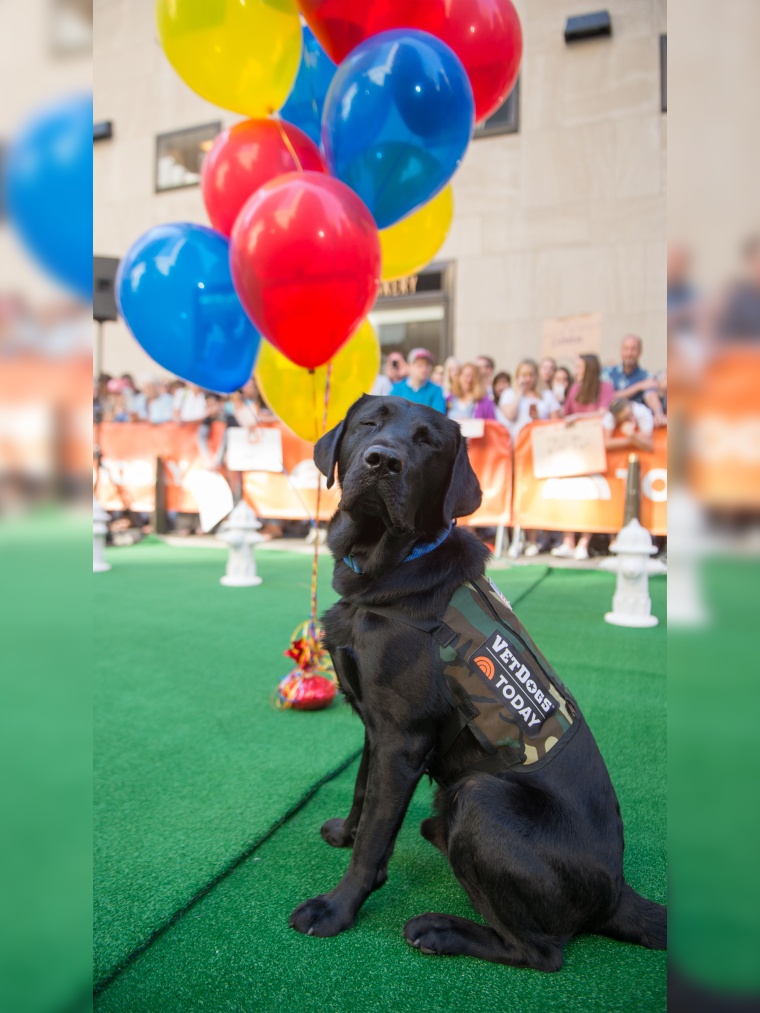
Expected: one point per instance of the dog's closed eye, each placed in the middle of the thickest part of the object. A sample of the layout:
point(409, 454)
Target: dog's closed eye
point(424, 436)
point(369, 423)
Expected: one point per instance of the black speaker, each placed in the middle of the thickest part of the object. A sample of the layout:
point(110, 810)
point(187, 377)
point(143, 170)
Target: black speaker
point(103, 296)
point(588, 26)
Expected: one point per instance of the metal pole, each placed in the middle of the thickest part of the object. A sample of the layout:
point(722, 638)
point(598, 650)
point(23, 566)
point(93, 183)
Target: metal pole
point(632, 490)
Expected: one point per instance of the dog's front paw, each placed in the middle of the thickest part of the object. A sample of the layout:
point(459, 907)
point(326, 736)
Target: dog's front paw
point(320, 916)
point(338, 833)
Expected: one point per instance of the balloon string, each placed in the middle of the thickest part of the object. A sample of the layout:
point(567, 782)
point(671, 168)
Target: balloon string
point(289, 146)
point(315, 565)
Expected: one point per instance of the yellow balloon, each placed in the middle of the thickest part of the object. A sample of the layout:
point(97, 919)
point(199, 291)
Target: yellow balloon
point(413, 242)
point(297, 395)
point(241, 55)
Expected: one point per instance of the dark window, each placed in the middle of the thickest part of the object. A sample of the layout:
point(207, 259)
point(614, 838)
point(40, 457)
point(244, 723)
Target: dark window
point(414, 312)
point(588, 26)
point(179, 155)
point(663, 73)
point(102, 131)
point(506, 119)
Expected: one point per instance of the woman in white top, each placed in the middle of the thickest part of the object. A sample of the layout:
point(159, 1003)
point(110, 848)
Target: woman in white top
point(189, 403)
point(525, 404)
point(520, 408)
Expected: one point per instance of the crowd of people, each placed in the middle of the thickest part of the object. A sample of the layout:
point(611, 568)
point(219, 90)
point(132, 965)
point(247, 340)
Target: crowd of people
point(119, 399)
point(540, 390)
point(630, 401)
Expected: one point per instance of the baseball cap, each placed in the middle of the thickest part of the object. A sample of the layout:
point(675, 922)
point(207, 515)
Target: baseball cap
point(420, 353)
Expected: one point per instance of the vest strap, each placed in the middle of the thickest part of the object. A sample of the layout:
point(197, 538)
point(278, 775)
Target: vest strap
point(464, 712)
point(503, 759)
point(442, 633)
point(455, 724)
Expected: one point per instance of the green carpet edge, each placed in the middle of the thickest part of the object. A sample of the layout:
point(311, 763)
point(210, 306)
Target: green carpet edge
point(102, 984)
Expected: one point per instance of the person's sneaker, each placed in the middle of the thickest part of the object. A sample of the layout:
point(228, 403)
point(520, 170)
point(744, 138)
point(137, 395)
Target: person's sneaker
point(581, 552)
point(531, 549)
point(563, 551)
point(514, 551)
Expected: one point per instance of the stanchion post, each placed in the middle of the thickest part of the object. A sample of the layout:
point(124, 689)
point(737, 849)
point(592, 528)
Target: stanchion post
point(632, 508)
point(160, 519)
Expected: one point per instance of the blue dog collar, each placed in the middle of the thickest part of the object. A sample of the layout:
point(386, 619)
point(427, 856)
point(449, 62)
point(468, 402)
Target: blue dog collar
point(419, 550)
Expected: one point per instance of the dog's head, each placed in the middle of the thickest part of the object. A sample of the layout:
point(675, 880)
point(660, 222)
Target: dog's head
point(402, 462)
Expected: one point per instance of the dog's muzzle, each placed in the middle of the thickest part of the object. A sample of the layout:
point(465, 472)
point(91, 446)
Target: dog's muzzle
point(382, 461)
point(377, 482)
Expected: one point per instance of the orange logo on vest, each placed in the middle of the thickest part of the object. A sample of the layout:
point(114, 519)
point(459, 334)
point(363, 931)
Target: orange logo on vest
point(485, 665)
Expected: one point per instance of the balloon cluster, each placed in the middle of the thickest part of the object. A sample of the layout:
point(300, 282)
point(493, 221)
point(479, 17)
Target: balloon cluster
point(337, 180)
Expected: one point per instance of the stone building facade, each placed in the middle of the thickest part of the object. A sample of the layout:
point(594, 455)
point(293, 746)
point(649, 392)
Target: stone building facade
point(564, 215)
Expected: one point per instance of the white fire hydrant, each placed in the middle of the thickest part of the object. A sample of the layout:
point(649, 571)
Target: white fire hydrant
point(241, 532)
point(631, 604)
point(100, 519)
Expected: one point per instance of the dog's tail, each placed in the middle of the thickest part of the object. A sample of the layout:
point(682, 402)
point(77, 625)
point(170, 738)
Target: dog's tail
point(638, 920)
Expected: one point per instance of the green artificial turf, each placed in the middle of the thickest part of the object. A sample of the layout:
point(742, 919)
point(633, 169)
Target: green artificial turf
point(193, 764)
point(232, 950)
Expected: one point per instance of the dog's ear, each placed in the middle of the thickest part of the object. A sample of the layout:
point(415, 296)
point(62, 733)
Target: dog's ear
point(463, 494)
point(326, 451)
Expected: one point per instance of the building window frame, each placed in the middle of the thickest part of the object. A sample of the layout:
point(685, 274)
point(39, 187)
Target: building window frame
point(70, 27)
point(663, 73)
point(509, 122)
point(442, 297)
point(213, 128)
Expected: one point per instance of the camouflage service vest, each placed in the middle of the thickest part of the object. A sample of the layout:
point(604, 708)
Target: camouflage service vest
point(502, 688)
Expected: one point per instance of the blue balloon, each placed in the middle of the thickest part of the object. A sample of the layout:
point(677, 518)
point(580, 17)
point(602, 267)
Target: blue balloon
point(397, 120)
point(174, 290)
point(306, 101)
point(47, 191)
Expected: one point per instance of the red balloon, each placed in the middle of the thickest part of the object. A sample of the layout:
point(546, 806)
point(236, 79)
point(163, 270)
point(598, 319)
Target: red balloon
point(247, 156)
point(485, 35)
point(305, 259)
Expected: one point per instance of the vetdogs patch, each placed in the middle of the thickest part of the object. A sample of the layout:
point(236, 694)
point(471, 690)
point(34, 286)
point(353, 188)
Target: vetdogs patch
point(513, 678)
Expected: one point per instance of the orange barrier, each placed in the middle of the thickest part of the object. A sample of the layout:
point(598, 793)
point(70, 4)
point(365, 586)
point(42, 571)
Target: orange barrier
point(291, 496)
point(588, 503)
point(491, 459)
point(592, 503)
point(45, 415)
point(128, 472)
point(721, 421)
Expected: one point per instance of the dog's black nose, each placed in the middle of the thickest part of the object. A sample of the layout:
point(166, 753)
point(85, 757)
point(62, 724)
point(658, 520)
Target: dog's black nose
point(382, 460)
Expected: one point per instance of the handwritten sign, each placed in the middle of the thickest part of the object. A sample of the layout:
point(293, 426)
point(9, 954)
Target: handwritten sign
point(472, 429)
point(565, 337)
point(254, 450)
point(213, 495)
point(561, 451)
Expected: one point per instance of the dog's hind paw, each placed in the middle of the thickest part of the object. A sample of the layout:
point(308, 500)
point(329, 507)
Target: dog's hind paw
point(430, 934)
point(338, 834)
point(448, 935)
point(320, 916)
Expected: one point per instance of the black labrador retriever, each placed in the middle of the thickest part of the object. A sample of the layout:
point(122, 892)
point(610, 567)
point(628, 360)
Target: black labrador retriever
point(538, 851)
